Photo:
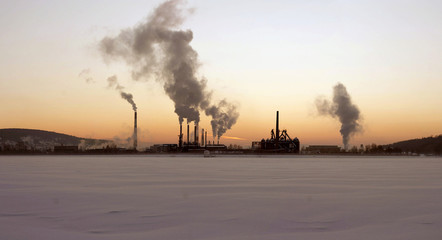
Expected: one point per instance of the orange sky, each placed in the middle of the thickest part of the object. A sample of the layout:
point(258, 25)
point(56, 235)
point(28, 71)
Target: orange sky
point(388, 56)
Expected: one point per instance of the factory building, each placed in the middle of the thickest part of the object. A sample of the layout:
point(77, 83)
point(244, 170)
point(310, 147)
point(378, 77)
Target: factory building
point(159, 148)
point(195, 144)
point(278, 142)
point(216, 147)
point(322, 149)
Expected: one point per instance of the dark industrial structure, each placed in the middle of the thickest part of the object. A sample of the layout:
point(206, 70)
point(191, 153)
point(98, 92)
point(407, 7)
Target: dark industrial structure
point(135, 136)
point(159, 148)
point(322, 149)
point(279, 142)
point(180, 137)
point(193, 144)
point(66, 149)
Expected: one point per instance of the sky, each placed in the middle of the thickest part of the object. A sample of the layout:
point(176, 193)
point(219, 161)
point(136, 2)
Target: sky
point(263, 56)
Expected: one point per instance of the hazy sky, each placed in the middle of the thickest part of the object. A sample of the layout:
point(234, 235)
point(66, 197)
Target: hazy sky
point(262, 55)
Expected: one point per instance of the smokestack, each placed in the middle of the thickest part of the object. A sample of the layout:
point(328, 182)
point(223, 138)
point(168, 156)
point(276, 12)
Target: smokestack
point(195, 135)
point(205, 139)
point(180, 139)
point(277, 130)
point(188, 139)
point(202, 136)
point(135, 131)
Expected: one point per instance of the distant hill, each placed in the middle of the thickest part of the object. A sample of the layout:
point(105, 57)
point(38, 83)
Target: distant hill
point(431, 145)
point(39, 139)
point(17, 134)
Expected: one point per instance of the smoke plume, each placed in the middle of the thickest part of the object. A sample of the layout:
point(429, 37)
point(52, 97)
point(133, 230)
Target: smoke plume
point(113, 83)
point(157, 48)
point(224, 116)
point(342, 108)
point(85, 74)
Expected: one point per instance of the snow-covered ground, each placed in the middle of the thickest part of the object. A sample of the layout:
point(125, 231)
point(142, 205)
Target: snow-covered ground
point(185, 197)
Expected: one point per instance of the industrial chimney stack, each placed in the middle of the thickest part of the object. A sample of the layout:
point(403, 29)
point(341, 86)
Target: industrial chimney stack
point(202, 136)
point(180, 137)
point(195, 135)
point(135, 131)
point(188, 139)
point(277, 130)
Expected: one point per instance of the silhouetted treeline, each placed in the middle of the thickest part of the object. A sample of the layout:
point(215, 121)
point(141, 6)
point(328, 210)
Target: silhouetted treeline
point(20, 149)
point(381, 149)
point(429, 145)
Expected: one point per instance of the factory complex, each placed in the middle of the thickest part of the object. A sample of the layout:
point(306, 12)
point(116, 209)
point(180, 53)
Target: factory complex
point(196, 142)
point(279, 142)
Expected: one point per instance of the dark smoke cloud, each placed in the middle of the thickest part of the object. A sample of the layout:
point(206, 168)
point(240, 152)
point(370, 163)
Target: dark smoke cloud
point(224, 116)
point(343, 109)
point(113, 83)
point(155, 48)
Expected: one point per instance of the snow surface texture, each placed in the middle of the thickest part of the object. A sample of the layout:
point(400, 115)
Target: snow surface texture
point(176, 197)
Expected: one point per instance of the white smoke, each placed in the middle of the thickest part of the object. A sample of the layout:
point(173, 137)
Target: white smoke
point(156, 48)
point(342, 108)
point(113, 83)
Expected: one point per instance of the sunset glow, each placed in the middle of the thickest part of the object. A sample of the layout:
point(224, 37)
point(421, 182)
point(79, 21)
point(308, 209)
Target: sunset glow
point(262, 56)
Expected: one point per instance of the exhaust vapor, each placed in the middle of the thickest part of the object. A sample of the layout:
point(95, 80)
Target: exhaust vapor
point(342, 108)
point(85, 74)
point(224, 116)
point(157, 48)
point(113, 83)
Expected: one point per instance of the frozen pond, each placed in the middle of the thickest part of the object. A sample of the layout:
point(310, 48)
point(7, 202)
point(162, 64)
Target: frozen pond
point(185, 197)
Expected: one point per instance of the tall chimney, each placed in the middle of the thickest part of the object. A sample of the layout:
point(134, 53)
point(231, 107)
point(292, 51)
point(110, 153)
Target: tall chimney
point(202, 136)
point(188, 134)
point(180, 139)
point(135, 137)
point(205, 139)
point(277, 130)
point(195, 134)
